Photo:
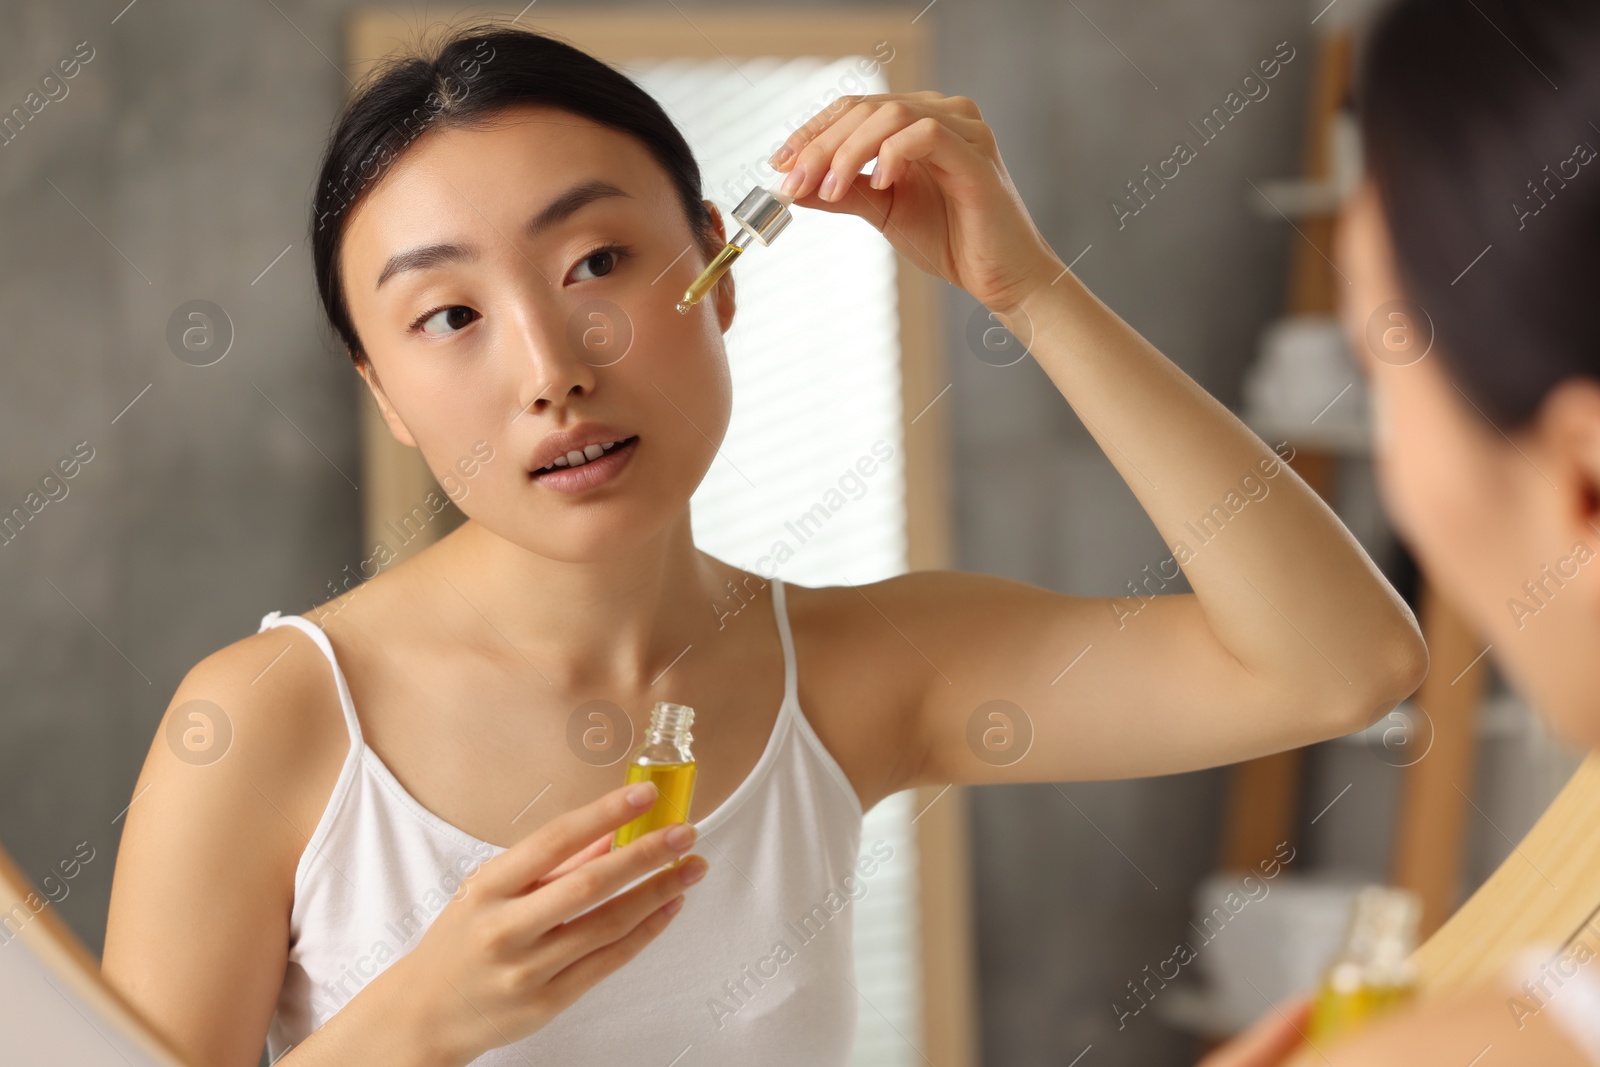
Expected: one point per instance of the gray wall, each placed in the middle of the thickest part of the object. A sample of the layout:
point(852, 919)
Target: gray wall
point(179, 166)
point(176, 167)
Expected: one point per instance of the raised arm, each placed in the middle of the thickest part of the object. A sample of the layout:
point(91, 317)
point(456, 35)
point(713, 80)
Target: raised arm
point(1291, 634)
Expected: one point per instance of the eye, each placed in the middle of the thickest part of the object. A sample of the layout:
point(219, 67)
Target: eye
point(446, 320)
point(600, 262)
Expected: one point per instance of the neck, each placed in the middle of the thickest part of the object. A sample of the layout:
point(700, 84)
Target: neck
point(618, 621)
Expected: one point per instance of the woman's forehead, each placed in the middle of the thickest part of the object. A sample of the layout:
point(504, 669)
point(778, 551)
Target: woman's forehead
point(498, 174)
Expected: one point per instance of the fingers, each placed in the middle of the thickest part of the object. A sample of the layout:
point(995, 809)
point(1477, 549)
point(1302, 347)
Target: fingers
point(812, 154)
point(583, 888)
point(614, 919)
point(785, 154)
point(810, 164)
point(931, 141)
point(536, 856)
point(1268, 1040)
point(827, 153)
point(840, 140)
point(596, 848)
point(885, 131)
point(570, 983)
point(842, 165)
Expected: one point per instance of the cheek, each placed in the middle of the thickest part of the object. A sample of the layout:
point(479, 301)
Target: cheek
point(449, 406)
point(682, 368)
point(1434, 470)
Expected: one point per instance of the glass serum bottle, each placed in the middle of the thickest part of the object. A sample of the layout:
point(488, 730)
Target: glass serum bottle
point(663, 758)
point(1373, 973)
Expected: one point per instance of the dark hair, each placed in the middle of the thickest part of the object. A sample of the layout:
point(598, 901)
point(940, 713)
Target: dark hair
point(462, 81)
point(1477, 129)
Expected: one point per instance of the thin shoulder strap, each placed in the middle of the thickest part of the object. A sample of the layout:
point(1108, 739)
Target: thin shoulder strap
point(780, 610)
point(315, 632)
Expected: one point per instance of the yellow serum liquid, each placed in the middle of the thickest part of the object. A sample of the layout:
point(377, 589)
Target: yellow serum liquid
point(675, 784)
point(1340, 1012)
point(1373, 974)
point(709, 277)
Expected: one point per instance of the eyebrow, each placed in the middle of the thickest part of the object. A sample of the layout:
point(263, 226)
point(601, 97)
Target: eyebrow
point(558, 210)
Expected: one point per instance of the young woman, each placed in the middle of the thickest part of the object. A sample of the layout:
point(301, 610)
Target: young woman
point(1479, 129)
point(295, 890)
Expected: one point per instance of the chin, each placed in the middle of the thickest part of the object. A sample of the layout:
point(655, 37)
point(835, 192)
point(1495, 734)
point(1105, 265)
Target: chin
point(1544, 665)
point(597, 528)
point(595, 533)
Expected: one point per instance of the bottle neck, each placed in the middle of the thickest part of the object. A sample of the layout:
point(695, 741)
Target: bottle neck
point(1383, 928)
point(669, 724)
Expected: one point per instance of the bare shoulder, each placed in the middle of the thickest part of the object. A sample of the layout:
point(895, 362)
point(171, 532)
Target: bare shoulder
point(854, 710)
point(262, 713)
point(235, 778)
point(249, 732)
point(874, 658)
point(866, 655)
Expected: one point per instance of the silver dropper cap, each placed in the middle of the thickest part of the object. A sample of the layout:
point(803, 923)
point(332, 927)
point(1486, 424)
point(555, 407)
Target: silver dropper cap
point(762, 214)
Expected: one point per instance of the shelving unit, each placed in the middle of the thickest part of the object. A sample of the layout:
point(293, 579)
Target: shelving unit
point(1263, 806)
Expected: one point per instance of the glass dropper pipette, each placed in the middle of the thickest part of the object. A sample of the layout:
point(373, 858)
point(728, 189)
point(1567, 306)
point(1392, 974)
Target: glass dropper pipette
point(761, 216)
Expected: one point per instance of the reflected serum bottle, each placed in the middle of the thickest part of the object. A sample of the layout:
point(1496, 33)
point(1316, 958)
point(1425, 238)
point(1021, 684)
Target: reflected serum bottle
point(1373, 973)
point(663, 758)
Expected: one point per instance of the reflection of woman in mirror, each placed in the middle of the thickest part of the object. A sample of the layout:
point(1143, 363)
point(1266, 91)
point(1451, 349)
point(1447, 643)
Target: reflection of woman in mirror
point(1479, 128)
point(470, 206)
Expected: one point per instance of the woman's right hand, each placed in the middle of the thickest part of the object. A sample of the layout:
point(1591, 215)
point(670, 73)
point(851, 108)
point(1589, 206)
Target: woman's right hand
point(504, 959)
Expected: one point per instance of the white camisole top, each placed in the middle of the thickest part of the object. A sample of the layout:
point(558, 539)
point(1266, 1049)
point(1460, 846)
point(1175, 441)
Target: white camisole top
point(756, 968)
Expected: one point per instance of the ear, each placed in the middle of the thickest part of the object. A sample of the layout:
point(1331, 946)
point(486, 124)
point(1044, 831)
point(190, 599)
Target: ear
point(723, 292)
point(1567, 431)
point(397, 427)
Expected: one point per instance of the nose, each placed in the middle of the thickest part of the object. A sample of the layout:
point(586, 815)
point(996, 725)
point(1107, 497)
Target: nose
point(557, 371)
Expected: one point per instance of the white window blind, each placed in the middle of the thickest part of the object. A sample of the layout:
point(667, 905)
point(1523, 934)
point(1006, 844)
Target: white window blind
point(815, 359)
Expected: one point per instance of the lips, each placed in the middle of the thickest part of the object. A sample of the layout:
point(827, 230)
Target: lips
point(563, 476)
point(577, 457)
point(575, 445)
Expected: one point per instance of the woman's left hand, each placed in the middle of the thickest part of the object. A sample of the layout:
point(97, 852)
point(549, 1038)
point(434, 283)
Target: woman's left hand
point(939, 192)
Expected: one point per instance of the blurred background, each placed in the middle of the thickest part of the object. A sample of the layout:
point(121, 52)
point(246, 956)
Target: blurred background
point(172, 175)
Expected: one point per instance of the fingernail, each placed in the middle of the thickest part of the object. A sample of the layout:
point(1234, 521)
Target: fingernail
point(873, 179)
point(781, 156)
point(672, 907)
point(792, 182)
point(679, 837)
point(825, 190)
point(641, 793)
point(692, 872)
